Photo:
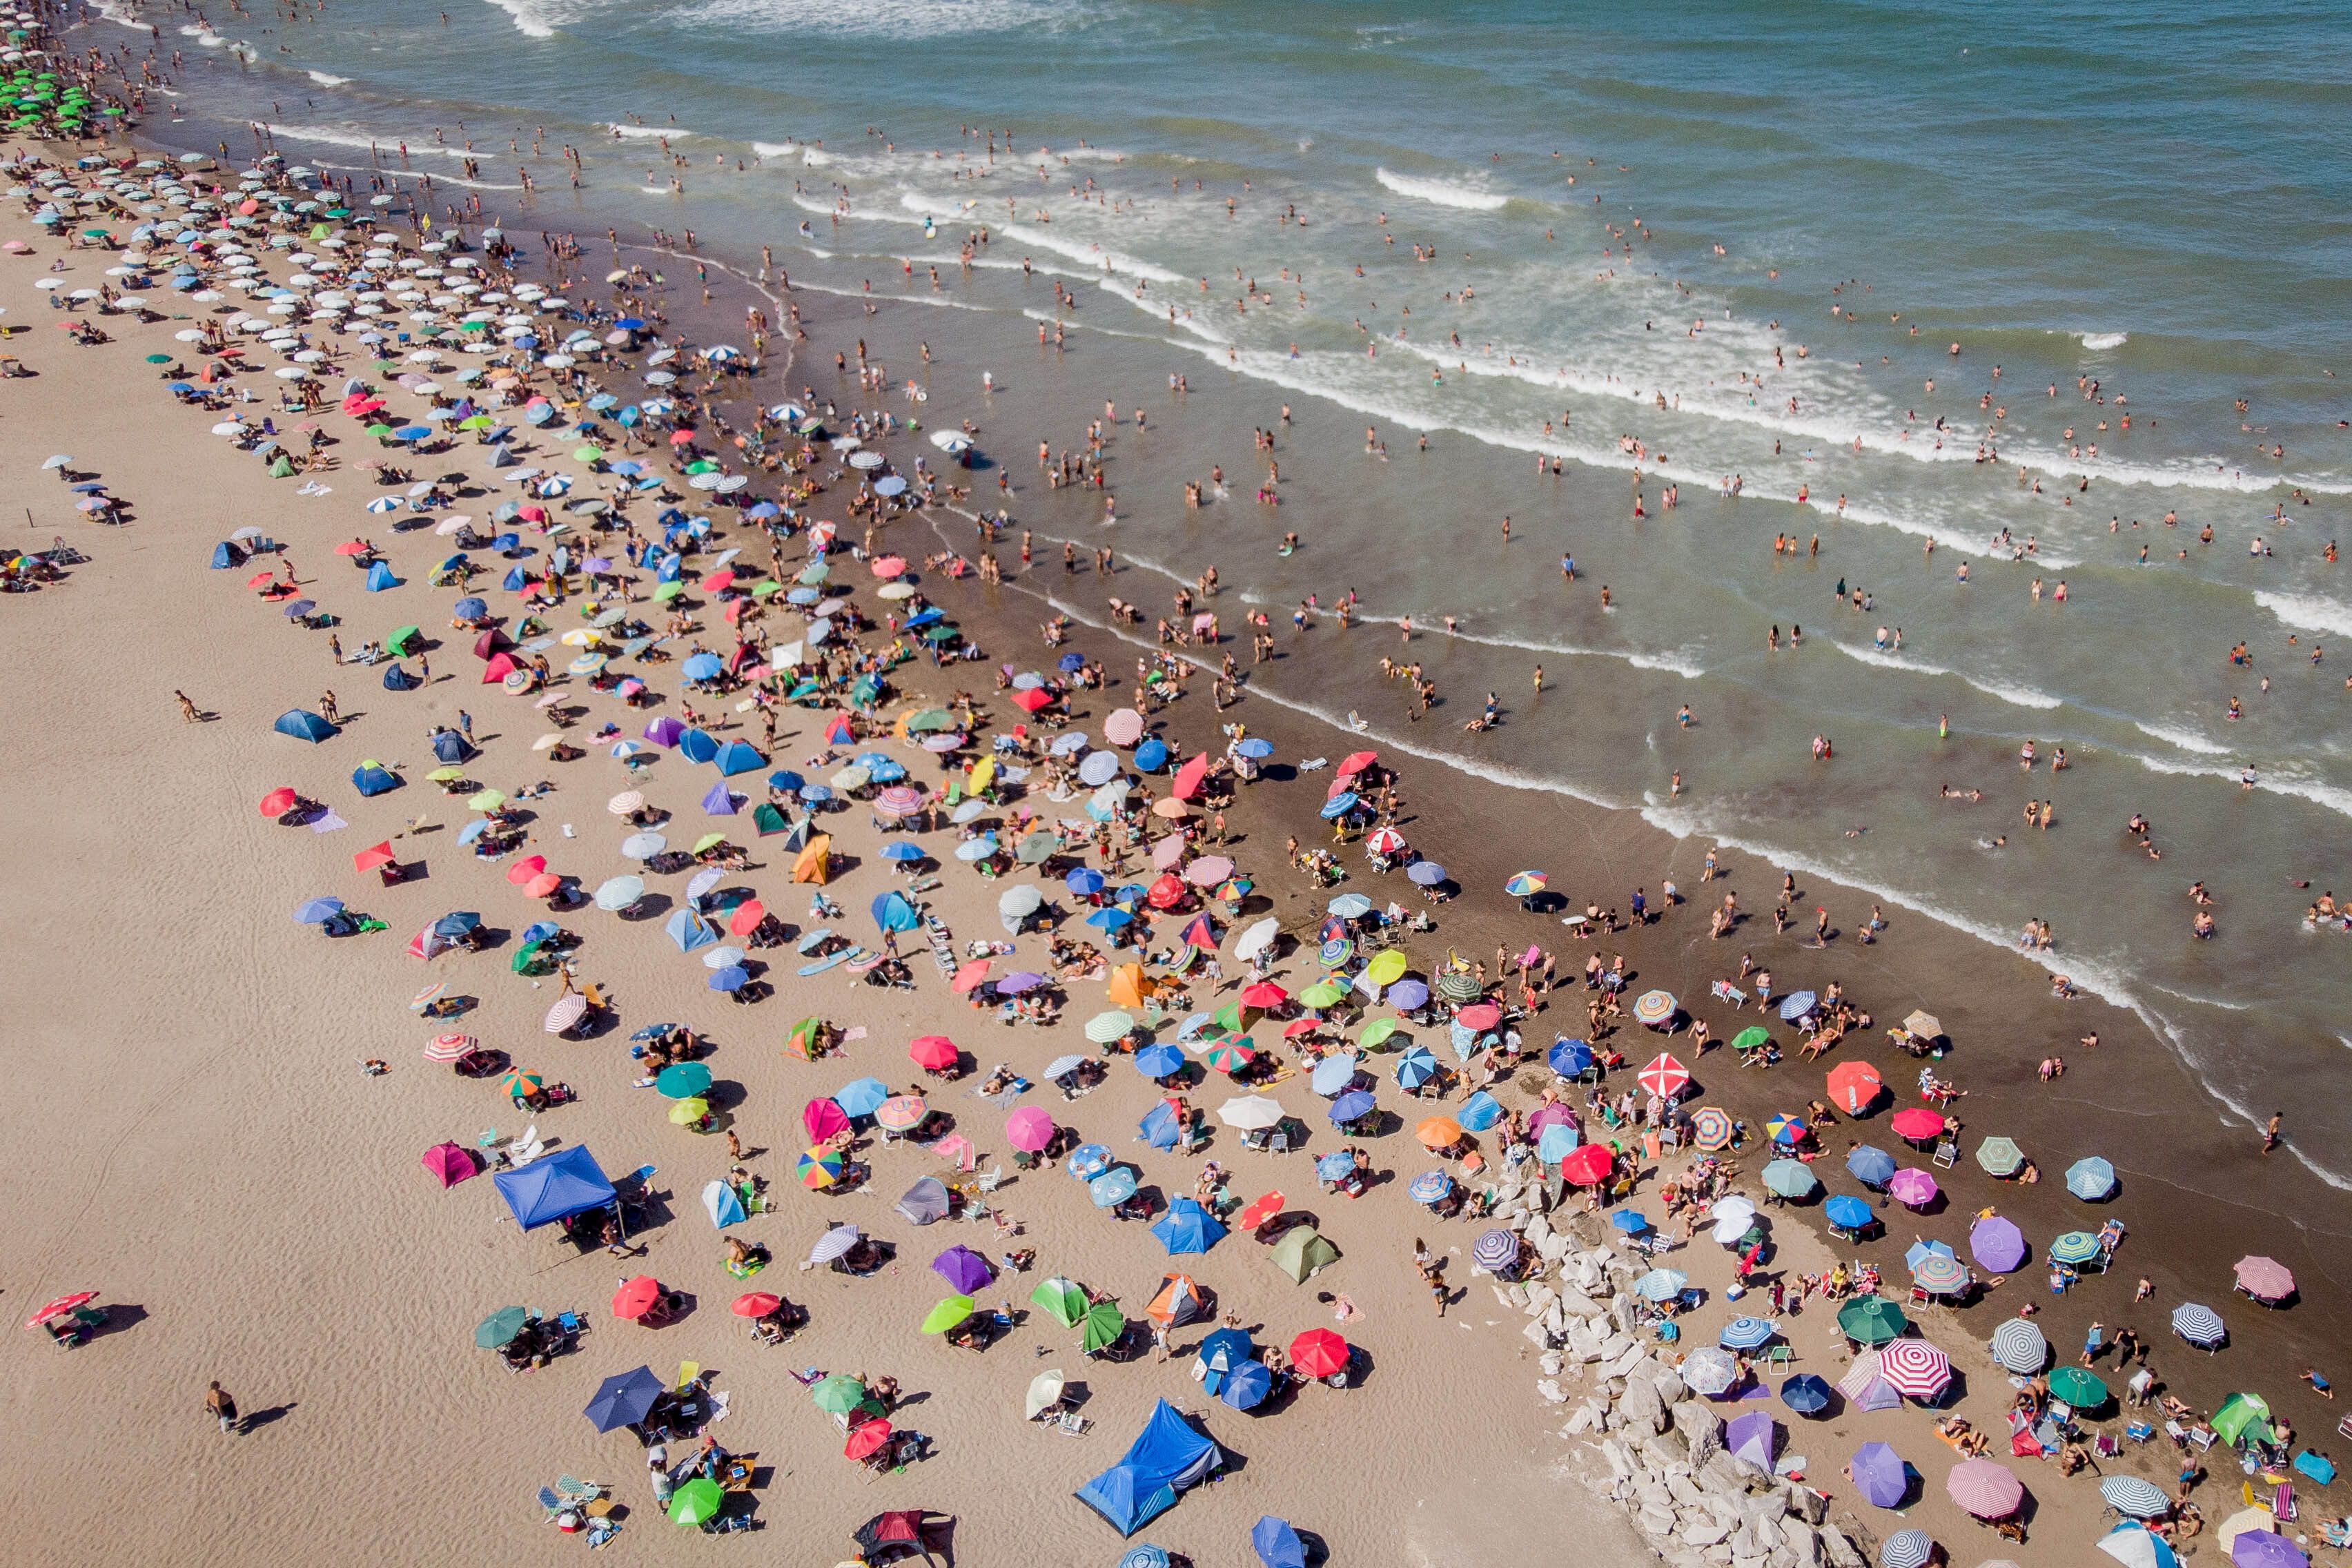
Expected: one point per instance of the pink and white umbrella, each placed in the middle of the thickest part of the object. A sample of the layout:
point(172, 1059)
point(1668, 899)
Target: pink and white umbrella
point(1665, 1077)
point(1124, 727)
point(2265, 1278)
point(1915, 1368)
point(1985, 1488)
point(900, 1112)
point(1912, 1188)
point(1207, 870)
point(567, 1011)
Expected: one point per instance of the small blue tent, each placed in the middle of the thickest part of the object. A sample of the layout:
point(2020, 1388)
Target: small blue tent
point(690, 930)
point(1167, 1457)
point(1159, 1127)
point(555, 1186)
point(450, 746)
point(695, 746)
point(721, 800)
point(397, 678)
point(373, 779)
point(303, 725)
point(1187, 1227)
point(739, 757)
point(225, 555)
point(379, 577)
point(893, 912)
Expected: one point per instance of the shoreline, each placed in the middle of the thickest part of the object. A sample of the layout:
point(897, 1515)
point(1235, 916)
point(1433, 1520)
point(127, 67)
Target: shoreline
point(1613, 856)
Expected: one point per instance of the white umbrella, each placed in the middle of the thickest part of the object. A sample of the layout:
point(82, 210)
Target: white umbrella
point(1251, 1113)
point(1258, 938)
point(1044, 1389)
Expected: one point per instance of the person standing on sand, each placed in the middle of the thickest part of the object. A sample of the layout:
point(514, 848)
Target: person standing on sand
point(2270, 1131)
point(188, 713)
point(222, 1406)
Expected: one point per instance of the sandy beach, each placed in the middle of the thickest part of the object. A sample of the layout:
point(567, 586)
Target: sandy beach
point(208, 1154)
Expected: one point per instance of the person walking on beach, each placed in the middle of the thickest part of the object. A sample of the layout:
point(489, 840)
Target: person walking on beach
point(2270, 1131)
point(222, 1406)
point(188, 713)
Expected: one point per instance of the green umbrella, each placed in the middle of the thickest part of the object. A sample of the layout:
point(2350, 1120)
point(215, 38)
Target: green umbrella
point(946, 1314)
point(1064, 1299)
point(838, 1394)
point(500, 1327)
point(2081, 1389)
point(2074, 1247)
point(940, 634)
point(702, 465)
point(765, 586)
point(475, 422)
point(669, 590)
point(2000, 1156)
point(159, 359)
point(811, 575)
point(1871, 1320)
point(379, 430)
point(1105, 1028)
point(1789, 1178)
point(1377, 1031)
point(682, 1080)
point(1748, 1038)
point(525, 956)
point(2241, 1413)
point(589, 454)
point(1102, 1325)
point(696, 1502)
point(1322, 993)
point(932, 718)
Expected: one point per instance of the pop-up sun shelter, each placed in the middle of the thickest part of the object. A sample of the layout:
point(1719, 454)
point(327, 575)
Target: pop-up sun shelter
point(1167, 1457)
point(555, 1188)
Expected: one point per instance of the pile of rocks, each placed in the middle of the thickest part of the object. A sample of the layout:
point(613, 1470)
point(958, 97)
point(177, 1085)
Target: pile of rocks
point(1648, 1444)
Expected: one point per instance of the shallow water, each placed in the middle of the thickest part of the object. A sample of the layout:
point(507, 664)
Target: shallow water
point(2155, 200)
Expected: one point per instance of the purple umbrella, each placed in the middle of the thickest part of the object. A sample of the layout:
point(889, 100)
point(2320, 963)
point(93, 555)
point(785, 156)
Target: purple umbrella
point(1017, 982)
point(1879, 1473)
point(664, 731)
point(1407, 995)
point(1912, 1187)
point(1751, 1438)
point(1548, 1113)
point(966, 1272)
point(2261, 1549)
point(1996, 1244)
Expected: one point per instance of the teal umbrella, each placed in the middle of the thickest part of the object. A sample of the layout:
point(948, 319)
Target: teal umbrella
point(682, 1080)
point(500, 1327)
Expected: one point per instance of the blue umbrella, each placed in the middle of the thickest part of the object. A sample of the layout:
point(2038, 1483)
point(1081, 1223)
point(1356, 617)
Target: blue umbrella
point(1332, 1074)
point(1334, 1166)
point(1847, 1211)
point(1407, 995)
point(1556, 1143)
point(1416, 1067)
point(1254, 748)
point(1225, 1349)
point(1276, 1543)
point(1356, 1102)
point(901, 851)
point(1071, 663)
point(1632, 1222)
point(1569, 1058)
point(1159, 1127)
point(469, 609)
point(1339, 806)
point(626, 1399)
point(1113, 1187)
point(1247, 1385)
point(1151, 756)
point(1871, 1167)
point(1805, 1393)
point(1087, 1163)
point(1746, 1333)
point(1430, 1186)
point(734, 977)
point(1085, 882)
point(318, 912)
point(1158, 1061)
point(1108, 919)
point(2091, 1179)
point(1918, 1250)
point(1425, 873)
point(456, 923)
point(862, 1098)
point(785, 781)
point(1796, 1004)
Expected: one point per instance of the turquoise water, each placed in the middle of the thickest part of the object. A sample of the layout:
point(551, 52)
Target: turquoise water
point(2148, 212)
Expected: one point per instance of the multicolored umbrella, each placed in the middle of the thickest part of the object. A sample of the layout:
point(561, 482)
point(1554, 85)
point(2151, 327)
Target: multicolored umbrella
point(1654, 1007)
point(1712, 1127)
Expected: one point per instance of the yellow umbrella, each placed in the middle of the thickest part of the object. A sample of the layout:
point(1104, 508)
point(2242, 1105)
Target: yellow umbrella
point(984, 772)
point(488, 800)
point(686, 1112)
point(445, 776)
point(581, 636)
point(1386, 967)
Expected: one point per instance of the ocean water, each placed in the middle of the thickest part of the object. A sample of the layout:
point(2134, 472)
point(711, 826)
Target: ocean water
point(1721, 246)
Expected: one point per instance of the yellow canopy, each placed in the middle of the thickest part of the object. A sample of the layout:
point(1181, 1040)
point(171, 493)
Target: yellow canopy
point(814, 864)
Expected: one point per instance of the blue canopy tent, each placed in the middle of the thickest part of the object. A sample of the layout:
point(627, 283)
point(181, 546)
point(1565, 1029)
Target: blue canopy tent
point(689, 930)
point(225, 555)
point(893, 912)
point(379, 577)
point(555, 1188)
point(397, 678)
point(1167, 1457)
point(1159, 1127)
point(303, 725)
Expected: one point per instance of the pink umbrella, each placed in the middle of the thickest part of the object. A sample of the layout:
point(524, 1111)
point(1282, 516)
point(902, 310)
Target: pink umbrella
point(567, 1011)
point(1550, 1113)
point(823, 1119)
point(2265, 1278)
point(1123, 728)
point(1912, 1188)
point(1029, 1129)
point(1207, 870)
point(902, 1111)
point(451, 1163)
point(1168, 853)
point(1985, 1488)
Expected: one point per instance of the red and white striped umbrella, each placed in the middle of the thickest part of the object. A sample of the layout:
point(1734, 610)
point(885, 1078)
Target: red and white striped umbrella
point(1385, 841)
point(450, 1047)
point(1665, 1077)
point(1915, 1368)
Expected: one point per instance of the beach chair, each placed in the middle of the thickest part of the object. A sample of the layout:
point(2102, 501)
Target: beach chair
point(572, 1490)
point(2177, 1433)
point(1947, 1154)
point(987, 1180)
point(1072, 1425)
point(526, 1147)
point(2139, 1431)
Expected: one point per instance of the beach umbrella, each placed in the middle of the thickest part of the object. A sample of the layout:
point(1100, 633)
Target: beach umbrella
point(1276, 1543)
point(1871, 1320)
point(1746, 1333)
point(933, 1053)
point(500, 1327)
point(1357, 1104)
point(2136, 1546)
point(1914, 1367)
point(1871, 1167)
point(1712, 1127)
point(1845, 1212)
point(2074, 1247)
point(1525, 884)
point(2264, 1279)
point(1113, 1188)
point(1251, 1113)
point(2201, 1326)
point(1661, 1284)
point(862, 1098)
point(2260, 1548)
point(1333, 1074)
point(1796, 1004)
point(1654, 1007)
point(1430, 1186)
point(1805, 1393)
point(624, 1400)
point(901, 1113)
point(1158, 1061)
point(1917, 1125)
point(1912, 1188)
point(1246, 1385)
point(814, 1169)
point(1996, 1243)
point(2083, 1390)
point(2135, 1497)
point(1906, 1549)
point(2257, 1518)
point(1789, 1178)
point(837, 1394)
point(834, 1244)
point(1751, 1439)
point(2020, 1347)
point(1880, 1475)
point(636, 1296)
point(2000, 1156)
point(317, 911)
point(1709, 1372)
point(1983, 1489)
point(1319, 1352)
point(697, 1501)
point(1939, 1273)
point(946, 1314)
point(1497, 1248)
point(682, 1080)
point(1785, 1130)
point(1855, 1085)
point(1438, 1132)
point(1087, 1161)
point(566, 1011)
point(1101, 1327)
point(2091, 1179)
point(1587, 1166)
point(1664, 1076)
point(689, 1111)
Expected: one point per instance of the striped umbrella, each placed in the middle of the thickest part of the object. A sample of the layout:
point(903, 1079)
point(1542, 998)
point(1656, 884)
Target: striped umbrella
point(1456, 987)
point(1430, 1186)
point(2019, 1346)
point(1785, 1130)
point(1661, 1284)
point(902, 1111)
point(450, 1047)
point(1654, 1007)
point(1664, 1076)
point(1105, 1028)
point(2132, 1496)
point(1985, 1488)
point(1914, 1367)
point(2198, 1325)
point(1939, 1273)
point(1497, 1248)
point(899, 800)
point(1526, 885)
point(2091, 1179)
point(1709, 1371)
point(1711, 1126)
point(1906, 1549)
point(1746, 1333)
point(2000, 1156)
point(2265, 1278)
point(2074, 1247)
point(1229, 1056)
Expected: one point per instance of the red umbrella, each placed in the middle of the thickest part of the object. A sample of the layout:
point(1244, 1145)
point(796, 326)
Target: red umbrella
point(1258, 1212)
point(933, 1053)
point(722, 578)
point(970, 977)
point(823, 1119)
point(747, 917)
point(755, 1304)
point(279, 802)
point(636, 1297)
point(60, 1307)
point(1319, 1352)
point(1485, 1016)
point(351, 547)
point(543, 885)
point(1918, 1125)
point(450, 1048)
point(1167, 892)
point(1589, 1165)
point(682, 438)
point(866, 1439)
point(1853, 1085)
point(450, 1162)
point(889, 566)
point(524, 870)
point(1264, 995)
point(1187, 783)
point(1029, 699)
point(1355, 762)
point(261, 579)
point(376, 855)
point(1665, 1077)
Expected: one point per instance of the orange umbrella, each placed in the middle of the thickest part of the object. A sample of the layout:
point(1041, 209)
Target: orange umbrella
point(968, 977)
point(1172, 810)
point(547, 884)
point(1853, 1085)
point(636, 1297)
point(1439, 1133)
point(747, 917)
point(1259, 1212)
